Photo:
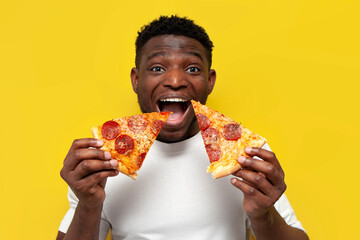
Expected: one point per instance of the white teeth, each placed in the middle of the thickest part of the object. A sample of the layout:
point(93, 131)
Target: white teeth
point(173, 100)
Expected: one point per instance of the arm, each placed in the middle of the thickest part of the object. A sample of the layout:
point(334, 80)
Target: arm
point(273, 226)
point(85, 170)
point(85, 224)
point(262, 184)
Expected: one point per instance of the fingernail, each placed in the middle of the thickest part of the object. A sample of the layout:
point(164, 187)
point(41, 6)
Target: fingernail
point(248, 150)
point(114, 163)
point(99, 142)
point(241, 159)
point(107, 155)
point(233, 180)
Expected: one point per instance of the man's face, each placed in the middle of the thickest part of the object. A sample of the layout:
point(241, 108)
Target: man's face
point(172, 71)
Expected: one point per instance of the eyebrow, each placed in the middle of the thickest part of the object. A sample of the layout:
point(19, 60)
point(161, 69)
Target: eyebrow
point(155, 54)
point(164, 54)
point(196, 54)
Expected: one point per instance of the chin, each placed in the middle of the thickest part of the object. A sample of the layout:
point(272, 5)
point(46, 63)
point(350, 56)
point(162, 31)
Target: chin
point(178, 135)
point(170, 137)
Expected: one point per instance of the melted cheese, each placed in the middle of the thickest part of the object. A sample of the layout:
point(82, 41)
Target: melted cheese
point(142, 142)
point(231, 150)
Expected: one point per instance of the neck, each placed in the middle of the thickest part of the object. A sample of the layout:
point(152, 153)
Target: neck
point(192, 131)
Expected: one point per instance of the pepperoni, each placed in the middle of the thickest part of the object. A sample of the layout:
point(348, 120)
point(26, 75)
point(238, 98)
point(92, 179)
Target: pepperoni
point(232, 131)
point(110, 130)
point(203, 121)
point(156, 126)
point(137, 123)
point(210, 135)
point(140, 159)
point(214, 152)
point(124, 144)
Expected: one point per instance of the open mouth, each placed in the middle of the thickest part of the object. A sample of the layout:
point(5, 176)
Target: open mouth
point(179, 107)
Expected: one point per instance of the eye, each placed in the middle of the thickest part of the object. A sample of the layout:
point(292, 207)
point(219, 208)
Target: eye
point(193, 69)
point(157, 69)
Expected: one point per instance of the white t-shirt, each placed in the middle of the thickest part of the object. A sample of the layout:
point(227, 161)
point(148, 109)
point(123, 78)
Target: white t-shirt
point(175, 198)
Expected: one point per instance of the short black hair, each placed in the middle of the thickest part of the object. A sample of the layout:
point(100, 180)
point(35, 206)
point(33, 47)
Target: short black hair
point(173, 25)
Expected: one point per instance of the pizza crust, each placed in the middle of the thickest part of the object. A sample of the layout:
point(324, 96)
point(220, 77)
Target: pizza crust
point(121, 167)
point(95, 132)
point(130, 139)
point(222, 171)
point(231, 147)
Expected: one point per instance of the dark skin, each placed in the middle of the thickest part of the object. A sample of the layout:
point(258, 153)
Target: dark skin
point(86, 170)
point(174, 67)
point(263, 184)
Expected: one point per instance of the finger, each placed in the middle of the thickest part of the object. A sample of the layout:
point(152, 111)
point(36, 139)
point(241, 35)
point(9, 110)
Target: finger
point(248, 190)
point(257, 181)
point(85, 153)
point(91, 166)
point(247, 168)
point(263, 154)
point(91, 153)
point(268, 169)
point(86, 143)
point(85, 184)
point(260, 200)
point(248, 183)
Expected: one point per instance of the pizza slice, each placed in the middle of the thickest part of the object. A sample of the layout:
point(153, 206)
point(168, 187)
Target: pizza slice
point(225, 140)
point(128, 139)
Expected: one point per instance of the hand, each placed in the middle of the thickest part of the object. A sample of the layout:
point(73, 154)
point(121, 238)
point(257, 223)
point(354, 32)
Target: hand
point(262, 182)
point(86, 169)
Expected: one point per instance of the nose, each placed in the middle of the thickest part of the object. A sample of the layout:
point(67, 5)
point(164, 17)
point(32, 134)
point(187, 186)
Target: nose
point(176, 79)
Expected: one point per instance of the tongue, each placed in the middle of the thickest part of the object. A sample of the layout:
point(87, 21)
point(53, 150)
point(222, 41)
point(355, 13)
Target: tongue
point(176, 108)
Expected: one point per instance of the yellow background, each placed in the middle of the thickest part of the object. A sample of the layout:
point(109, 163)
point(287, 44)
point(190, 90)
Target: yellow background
point(289, 70)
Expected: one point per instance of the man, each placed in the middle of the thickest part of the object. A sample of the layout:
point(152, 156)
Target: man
point(174, 198)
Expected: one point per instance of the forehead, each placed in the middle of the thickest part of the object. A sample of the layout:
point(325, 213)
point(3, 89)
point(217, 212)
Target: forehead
point(167, 45)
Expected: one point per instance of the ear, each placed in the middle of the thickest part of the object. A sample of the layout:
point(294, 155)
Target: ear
point(212, 79)
point(134, 75)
